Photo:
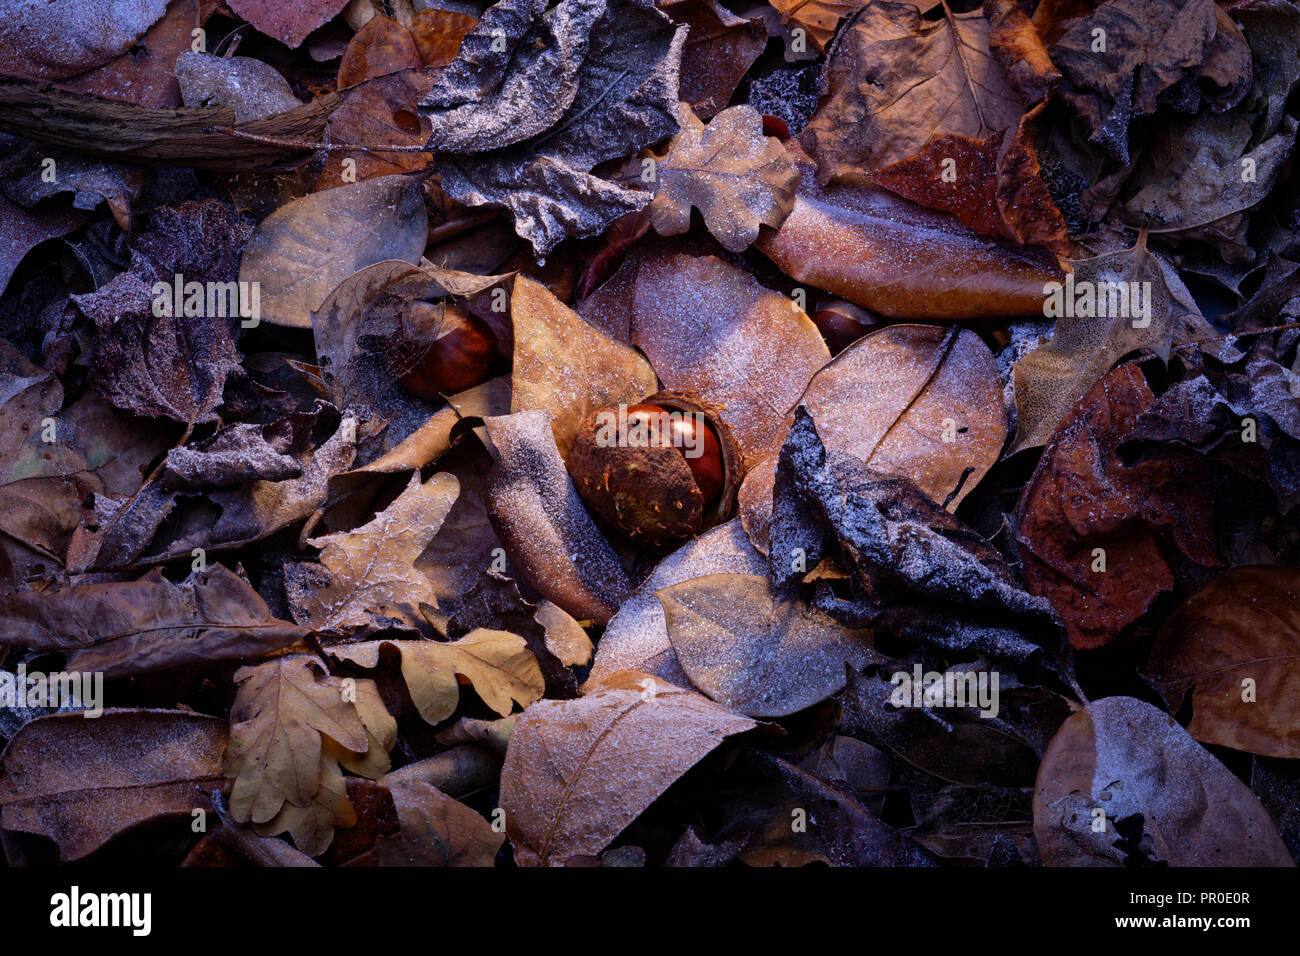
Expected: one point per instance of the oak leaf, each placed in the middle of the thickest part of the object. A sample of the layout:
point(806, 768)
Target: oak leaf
point(737, 177)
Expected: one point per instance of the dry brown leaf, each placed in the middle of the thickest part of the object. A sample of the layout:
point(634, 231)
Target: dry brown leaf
point(902, 260)
point(754, 653)
point(283, 710)
point(565, 637)
point(719, 51)
point(637, 637)
point(737, 177)
point(567, 368)
point(895, 80)
point(287, 22)
point(543, 524)
point(912, 400)
point(579, 771)
point(1130, 760)
point(436, 830)
point(372, 572)
point(1082, 497)
point(312, 827)
point(304, 249)
point(133, 627)
point(377, 112)
point(1242, 626)
point(819, 18)
point(382, 46)
point(438, 35)
point(80, 782)
point(710, 328)
point(497, 663)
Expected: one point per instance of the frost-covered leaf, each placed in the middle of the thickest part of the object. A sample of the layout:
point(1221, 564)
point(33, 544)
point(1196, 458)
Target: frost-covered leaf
point(711, 329)
point(132, 627)
point(371, 571)
point(287, 22)
point(1082, 498)
point(912, 400)
point(578, 771)
point(755, 653)
point(637, 637)
point(543, 524)
point(520, 128)
point(305, 248)
point(567, 368)
point(1166, 800)
point(737, 177)
point(80, 782)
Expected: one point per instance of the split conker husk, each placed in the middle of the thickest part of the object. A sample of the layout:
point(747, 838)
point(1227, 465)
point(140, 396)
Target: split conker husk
point(652, 491)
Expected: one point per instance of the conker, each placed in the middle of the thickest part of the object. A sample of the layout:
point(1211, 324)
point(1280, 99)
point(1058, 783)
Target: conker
point(455, 350)
point(660, 471)
point(697, 444)
point(843, 323)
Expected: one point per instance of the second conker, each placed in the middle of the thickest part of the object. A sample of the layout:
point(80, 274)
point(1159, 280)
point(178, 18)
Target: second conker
point(454, 350)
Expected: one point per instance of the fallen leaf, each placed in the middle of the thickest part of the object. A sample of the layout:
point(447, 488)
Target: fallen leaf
point(45, 41)
point(1110, 306)
point(709, 328)
point(283, 711)
point(81, 782)
point(992, 185)
point(22, 230)
point(382, 46)
point(133, 627)
point(372, 579)
point(912, 400)
point(565, 637)
point(1242, 626)
point(1108, 87)
point(497, 664)
point(737, 177)
point(253, 89)
point(819, 18)
point(895, 80)
point(902, 260)
point(637, 636)
point(521, 128)
point(305, 248)
point(755, 653)
point(543, 525)
point(1090, 527)
point(436, 830)
point(1165, 798)
point(288, 23)
point(892, 532)
point(579, 771)
point(565, 367)
point(719, 51)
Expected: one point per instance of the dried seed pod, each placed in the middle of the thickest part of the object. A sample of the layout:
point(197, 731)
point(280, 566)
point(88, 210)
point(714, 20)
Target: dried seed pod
point(660, 471)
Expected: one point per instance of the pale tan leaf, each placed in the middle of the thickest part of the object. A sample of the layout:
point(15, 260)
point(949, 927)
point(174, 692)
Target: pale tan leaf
point(498, 664)
point(737, 177)
point(754, 653)
point(305, 248)
point(372, 569)
point(282, 708)
point(566, 367)
point(579, 771)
